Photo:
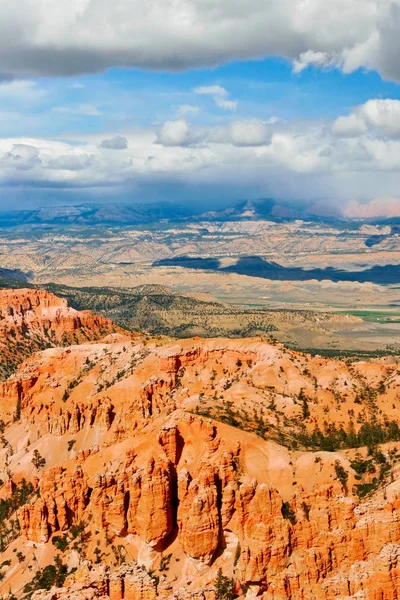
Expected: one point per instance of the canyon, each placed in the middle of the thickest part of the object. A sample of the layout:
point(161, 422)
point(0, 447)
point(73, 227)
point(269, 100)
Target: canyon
point(145, 467)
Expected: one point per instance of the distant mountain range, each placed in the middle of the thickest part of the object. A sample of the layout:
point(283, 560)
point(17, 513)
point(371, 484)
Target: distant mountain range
point(93, 214)
point(151, 213)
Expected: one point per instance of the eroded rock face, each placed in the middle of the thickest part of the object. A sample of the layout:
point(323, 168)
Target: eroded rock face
point(42, 310)
point(31, 320)
point(198, 515)
point(63, 499)
point(151, 503)
point(338, 545)
point(150, 496)
point(128, 582)
point(29, 306)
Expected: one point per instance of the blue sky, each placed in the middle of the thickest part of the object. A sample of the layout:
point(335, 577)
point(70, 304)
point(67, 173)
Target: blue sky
point(120, 98)
point(207, 101)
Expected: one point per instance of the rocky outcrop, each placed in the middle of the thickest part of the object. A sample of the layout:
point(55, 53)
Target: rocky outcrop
point(62, 502)
point(198, 517)
point(74, 419)
point(128, 582)
point(31, 320)
point(29, 308)
point(150, 513)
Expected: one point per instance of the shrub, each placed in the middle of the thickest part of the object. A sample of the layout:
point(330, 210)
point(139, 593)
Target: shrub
point(164, 563)
point(237, 555)
point(224, 587)
point(341, 474)
point(45, 579)
point(363, 489)
point(37, 460)
point(288, 513)
point(71, 444)
point(306, 510)
point(61, 543)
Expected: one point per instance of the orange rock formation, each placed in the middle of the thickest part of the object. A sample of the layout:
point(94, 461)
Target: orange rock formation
point(166, 461)
point(31, 320)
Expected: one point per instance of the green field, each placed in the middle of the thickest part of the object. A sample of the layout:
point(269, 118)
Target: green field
point(376, 316)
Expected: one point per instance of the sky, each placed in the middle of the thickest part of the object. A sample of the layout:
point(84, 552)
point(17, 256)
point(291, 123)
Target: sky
point(201, 101)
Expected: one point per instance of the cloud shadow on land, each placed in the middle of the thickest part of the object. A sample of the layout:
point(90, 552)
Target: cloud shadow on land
point(254, 266)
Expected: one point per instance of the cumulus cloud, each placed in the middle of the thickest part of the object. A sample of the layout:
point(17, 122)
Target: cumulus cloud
point(349, 126)
point(119, 142)
point(250, 132)
point(176, 133)
point(298, 158)
point(50, 37)
point(21, 157)
point(220, 96)
point(313, 59)
point(381, 116)
point(71, 162)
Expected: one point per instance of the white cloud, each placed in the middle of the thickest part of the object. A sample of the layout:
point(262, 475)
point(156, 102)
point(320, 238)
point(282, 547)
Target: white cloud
point(384, 115)
point(51, 37)
point(86, 110)
point(119, 142)
point(313, 59)
point(71, 162)
point(21, 89)
point(211, 90)
point(226, 104)
point(349, 126)
point(341, 161)
point(188, 109)
point(381, 116)
point(176, 133)
point(21, 157)
point(220, 96)
point(250, 132)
